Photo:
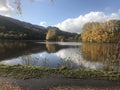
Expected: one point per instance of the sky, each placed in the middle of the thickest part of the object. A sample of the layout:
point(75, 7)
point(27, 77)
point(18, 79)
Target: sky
point(68, 15)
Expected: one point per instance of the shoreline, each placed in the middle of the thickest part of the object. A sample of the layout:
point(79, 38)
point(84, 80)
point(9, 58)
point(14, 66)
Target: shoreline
point(54, 83)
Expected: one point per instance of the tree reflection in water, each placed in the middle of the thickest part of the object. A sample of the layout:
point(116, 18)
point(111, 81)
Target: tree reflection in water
point(29, 60)
point(108, 54)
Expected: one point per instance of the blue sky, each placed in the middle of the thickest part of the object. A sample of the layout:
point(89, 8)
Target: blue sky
point(65, 14)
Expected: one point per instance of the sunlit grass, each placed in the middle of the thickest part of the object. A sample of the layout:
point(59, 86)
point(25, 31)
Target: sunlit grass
point(26, 72)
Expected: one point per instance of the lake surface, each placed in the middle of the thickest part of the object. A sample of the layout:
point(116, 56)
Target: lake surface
point(61, 54)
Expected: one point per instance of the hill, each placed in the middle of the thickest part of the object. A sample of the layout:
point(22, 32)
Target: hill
point(17, 30)
point(12, 29)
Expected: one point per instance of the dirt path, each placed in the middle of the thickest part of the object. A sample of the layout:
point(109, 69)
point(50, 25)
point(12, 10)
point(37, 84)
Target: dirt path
point(57, 84)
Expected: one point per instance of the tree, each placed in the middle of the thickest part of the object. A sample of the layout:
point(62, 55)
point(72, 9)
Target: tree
point(18, 5)
point(108, 31)
point(52, 33)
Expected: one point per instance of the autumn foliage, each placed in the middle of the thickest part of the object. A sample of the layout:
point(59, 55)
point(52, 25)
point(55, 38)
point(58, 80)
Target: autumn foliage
point(108, 31)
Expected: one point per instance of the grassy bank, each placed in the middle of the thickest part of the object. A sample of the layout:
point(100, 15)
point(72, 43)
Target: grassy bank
point(26, 72)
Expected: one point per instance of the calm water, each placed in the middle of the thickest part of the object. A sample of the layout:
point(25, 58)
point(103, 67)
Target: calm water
point(60, 54)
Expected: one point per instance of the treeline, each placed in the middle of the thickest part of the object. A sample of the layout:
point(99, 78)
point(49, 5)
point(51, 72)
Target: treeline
point(108, 31)
point(99, 32)
point(21, 35)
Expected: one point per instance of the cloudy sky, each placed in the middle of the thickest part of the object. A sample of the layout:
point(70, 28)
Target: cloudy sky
point(68, 15)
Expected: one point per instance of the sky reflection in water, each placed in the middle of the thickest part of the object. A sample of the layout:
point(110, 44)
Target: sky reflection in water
point(70, 54)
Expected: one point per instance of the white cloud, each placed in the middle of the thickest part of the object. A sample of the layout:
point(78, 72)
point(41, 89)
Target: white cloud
point(43, 23)
point(5, 8)
point(76, 24)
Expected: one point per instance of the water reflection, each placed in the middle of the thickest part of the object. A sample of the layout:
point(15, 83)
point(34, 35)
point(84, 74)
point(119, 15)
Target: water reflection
point(51, 48)
point(108, 54)
point(77, 55)
point(13, 49)
point(64, 58)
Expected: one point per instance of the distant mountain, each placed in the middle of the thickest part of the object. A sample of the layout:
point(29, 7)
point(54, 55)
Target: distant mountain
point(14, 29)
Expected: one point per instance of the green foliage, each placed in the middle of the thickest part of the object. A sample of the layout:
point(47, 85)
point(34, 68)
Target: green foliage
point(77, 37)
point(108, 31)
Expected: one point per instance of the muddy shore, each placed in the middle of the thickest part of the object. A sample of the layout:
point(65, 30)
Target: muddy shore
point(57, 84)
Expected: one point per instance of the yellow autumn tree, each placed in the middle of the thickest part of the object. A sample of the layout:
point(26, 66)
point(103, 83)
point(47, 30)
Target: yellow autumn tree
point(108, 31)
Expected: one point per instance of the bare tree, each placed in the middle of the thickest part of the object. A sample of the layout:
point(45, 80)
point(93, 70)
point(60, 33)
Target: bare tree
point(18, 5)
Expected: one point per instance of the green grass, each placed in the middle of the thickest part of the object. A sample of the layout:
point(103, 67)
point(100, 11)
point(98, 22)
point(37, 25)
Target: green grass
point(27, 72)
